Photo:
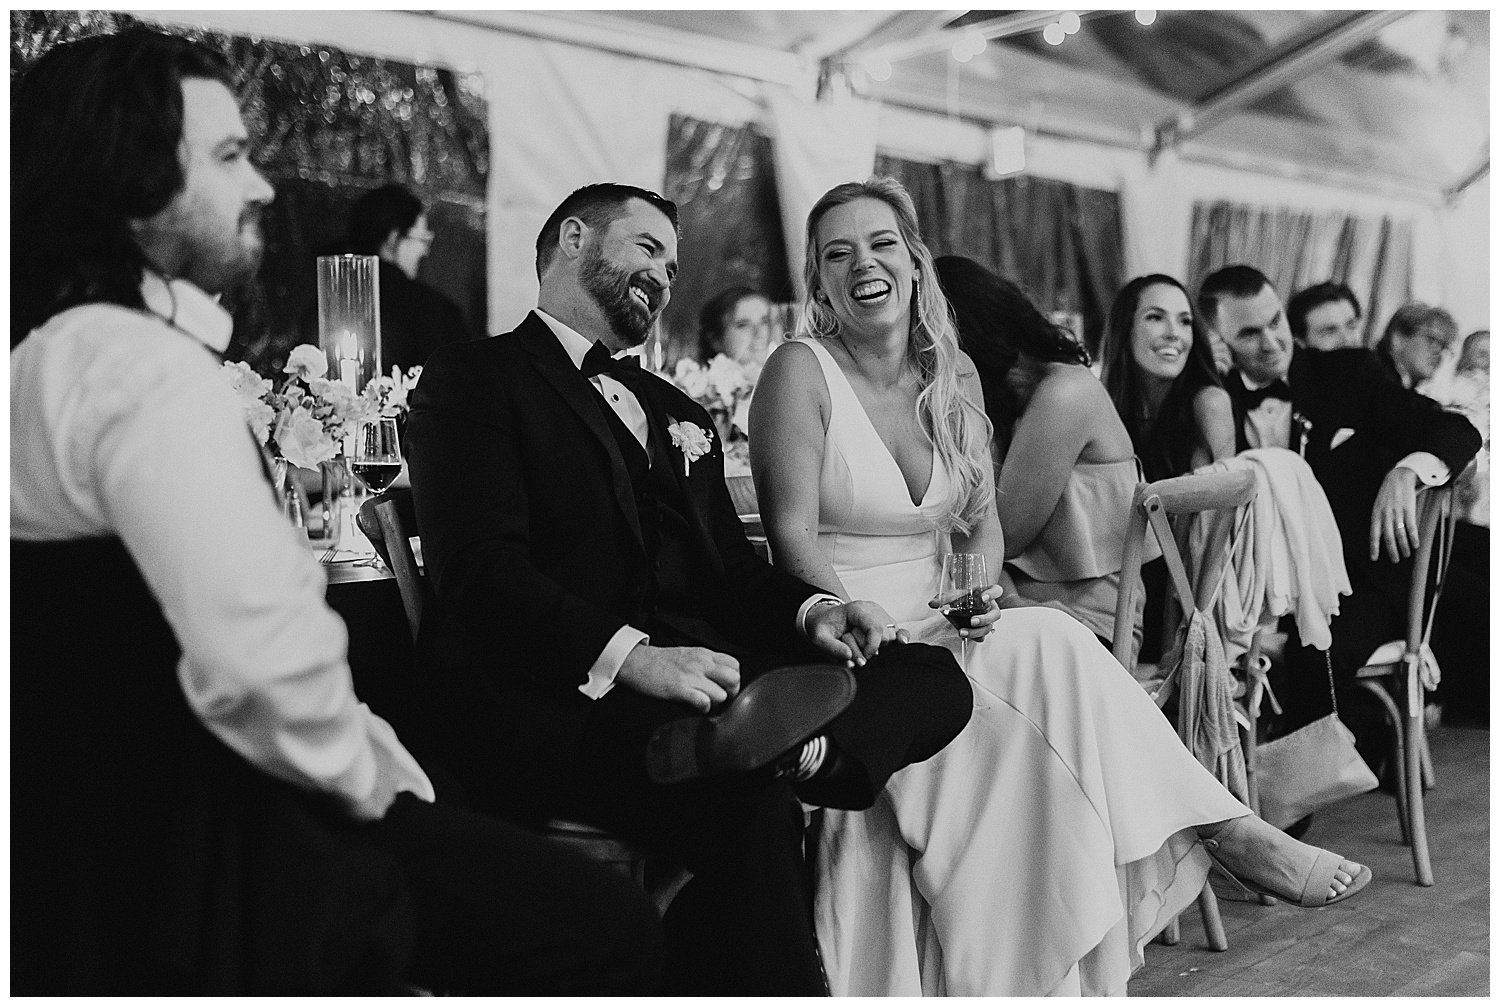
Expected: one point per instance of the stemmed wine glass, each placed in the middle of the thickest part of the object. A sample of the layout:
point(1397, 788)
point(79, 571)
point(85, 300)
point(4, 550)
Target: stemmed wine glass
point(376, 458)
point(961, 595)
point(377, 453)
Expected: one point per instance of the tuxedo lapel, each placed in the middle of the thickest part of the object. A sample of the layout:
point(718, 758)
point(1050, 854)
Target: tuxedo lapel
point(651, 394)
point(554, 367)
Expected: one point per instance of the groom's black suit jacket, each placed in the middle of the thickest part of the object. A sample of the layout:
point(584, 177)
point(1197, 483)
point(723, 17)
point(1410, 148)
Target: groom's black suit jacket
point(532, 537)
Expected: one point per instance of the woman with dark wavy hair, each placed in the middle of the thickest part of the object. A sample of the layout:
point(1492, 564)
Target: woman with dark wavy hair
point(1159, 372)
point(1065, 467)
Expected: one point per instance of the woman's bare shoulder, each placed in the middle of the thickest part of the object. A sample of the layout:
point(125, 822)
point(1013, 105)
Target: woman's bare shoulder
point(792, 371)
point(1065, 385)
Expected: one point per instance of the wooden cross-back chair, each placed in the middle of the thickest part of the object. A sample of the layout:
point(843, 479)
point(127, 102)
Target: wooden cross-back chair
point(389, 522)
point(1394, 672)
point(1219, 495)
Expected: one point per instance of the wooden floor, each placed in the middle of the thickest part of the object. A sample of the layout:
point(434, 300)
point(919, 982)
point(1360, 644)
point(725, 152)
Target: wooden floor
point(1394, 938)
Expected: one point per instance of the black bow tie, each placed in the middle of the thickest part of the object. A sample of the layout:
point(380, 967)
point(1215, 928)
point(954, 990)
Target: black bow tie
point(1252, 397)
point(598, 361)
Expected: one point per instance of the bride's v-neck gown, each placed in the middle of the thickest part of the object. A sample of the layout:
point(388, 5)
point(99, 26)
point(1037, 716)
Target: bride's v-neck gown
point(1042, 848)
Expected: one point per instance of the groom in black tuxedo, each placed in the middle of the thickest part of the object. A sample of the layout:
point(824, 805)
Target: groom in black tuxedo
point(1369, 442)
point(593, 583)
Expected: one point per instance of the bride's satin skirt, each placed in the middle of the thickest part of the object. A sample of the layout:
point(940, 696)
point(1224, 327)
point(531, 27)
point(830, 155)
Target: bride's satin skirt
point(1038, 852)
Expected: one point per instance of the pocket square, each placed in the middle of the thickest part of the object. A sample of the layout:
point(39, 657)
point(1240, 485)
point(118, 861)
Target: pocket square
point(1340, 435)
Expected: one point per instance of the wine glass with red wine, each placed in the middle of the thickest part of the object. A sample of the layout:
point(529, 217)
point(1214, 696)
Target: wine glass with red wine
point(377, 453)
point(964, 582)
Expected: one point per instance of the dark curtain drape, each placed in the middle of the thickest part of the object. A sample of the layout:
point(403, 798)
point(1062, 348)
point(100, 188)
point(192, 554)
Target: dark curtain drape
point(1063, 243)
point(330, 126)
point(1298, 248)
point(724, 183)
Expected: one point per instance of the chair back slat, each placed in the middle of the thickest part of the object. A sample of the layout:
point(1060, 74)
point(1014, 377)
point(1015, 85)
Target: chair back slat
point(1217, 490)
point(389, 521)
point(1435, 526)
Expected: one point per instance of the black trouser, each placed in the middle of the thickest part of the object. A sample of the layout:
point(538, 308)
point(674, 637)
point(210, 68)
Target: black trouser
point(743, 924)
point(1461, 629)
point(498, 910)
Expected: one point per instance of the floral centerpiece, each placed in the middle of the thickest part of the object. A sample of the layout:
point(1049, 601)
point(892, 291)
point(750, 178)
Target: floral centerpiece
point(723, 387)
point(306, 420)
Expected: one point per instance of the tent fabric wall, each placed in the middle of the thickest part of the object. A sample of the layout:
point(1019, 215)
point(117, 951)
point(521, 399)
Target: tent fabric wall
point(1059, 241)
point(1298, 248)
point(562, 115)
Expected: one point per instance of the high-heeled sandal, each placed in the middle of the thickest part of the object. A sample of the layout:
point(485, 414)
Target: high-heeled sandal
point(1317, 882)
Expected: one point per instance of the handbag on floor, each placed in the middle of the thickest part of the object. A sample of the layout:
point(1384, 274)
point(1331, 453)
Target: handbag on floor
point(1310, 768)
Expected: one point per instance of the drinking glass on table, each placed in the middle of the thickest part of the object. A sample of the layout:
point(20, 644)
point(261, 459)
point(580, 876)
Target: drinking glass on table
point(965, 580)
point(376, 459)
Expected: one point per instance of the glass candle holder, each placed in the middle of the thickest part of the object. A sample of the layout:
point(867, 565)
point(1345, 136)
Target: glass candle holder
point(349, 317)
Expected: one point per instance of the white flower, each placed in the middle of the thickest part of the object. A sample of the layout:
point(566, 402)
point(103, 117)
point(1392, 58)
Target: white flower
point(691, 378)
point(306, 362)
point(245, 381)
point(691, 439)
point(260, 417)
point(727, 379)
point(301, 439)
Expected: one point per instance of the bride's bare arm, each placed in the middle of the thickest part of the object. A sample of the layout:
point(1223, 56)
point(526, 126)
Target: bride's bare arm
point(788, 421)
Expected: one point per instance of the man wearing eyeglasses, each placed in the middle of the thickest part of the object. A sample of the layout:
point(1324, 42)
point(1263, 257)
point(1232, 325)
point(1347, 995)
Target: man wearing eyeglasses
point(1416, 340)
point(415, 319)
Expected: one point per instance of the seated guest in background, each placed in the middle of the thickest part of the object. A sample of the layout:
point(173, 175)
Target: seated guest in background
point(1368, 440)
point(1159, 372)
point(1065, 468)
point(415, 319)
point(202, 803)
point(1057, 833)
point(1416, 340)
point(736, 323)
point(1325, 316)
point(1160, 375)
point(594, 588)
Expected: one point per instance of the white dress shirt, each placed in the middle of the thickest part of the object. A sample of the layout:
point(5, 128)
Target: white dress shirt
point(602, 673)
point(122, 425)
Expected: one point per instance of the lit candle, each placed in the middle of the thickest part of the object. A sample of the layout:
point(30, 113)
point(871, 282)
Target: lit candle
point(349, 359)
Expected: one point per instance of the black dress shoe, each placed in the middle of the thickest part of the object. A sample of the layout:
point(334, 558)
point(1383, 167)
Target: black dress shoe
point(771, 717)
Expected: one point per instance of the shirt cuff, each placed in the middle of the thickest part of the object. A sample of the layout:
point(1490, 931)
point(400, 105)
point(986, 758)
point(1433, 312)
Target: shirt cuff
point(1428, 467)
point(807, 607)
point(601, 677)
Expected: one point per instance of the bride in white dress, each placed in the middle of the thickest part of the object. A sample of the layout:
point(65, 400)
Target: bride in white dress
point(1066, 825)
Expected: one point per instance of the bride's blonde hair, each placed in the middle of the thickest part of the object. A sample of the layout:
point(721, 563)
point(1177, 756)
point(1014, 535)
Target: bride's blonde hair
point(959, 430)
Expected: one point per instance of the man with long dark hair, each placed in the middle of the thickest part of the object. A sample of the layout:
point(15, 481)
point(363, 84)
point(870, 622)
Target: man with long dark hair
point(201, 804)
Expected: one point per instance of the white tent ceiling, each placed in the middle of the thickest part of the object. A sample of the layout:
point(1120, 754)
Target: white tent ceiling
point(1393, 97)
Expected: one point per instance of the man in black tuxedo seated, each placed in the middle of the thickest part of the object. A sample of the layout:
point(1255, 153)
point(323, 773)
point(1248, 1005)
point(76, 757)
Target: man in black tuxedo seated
point(202, 804)
point(1369, 442)
point(595, 590)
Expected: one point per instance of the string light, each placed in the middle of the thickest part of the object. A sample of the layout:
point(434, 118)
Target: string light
point(1145, 17)
point(1054, 34)
point(1070, 22)
point(969, 45)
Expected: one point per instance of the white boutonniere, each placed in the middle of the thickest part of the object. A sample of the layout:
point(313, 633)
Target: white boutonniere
point(691, 439)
